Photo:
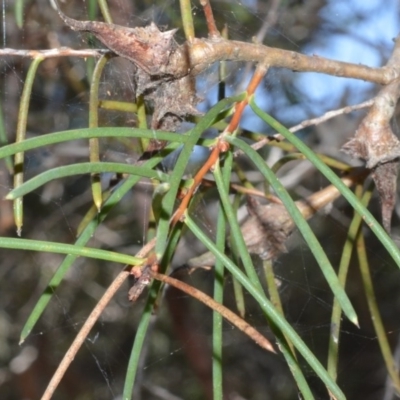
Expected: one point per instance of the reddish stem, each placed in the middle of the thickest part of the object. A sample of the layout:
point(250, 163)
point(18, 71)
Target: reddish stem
point(212, 27)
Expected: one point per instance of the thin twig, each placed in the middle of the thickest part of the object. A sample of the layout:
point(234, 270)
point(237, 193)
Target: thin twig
point(83, 333)
point(212, 27)
point(89, 323)
point(269, 21)
point(258, 75)
point(331, 114)
point(310, 122)
point(212, 158)
point(225, 312)
point(245, 190)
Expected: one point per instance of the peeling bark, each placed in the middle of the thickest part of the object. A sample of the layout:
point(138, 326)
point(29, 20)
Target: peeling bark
point(376, 144)
point(385, 178)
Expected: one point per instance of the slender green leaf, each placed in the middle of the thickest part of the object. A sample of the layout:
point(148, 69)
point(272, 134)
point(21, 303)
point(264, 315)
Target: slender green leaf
point(303, 227)
point(19, 12)
point(376, 317)
point(237, 287)
point(140, 336)
point(285, 159)
point(105, 11)
point(84, 168)
point(94, 145)
point(4, 140)
point(187, 19)
point(141, 332)
point(274, 293)
point(61, 248)
point(20, 137)
point(115, 105)
point(336, 317)
point(92, 8)
point(236, 233)
point(87, 133)
point(217, 370)
point(142, 120)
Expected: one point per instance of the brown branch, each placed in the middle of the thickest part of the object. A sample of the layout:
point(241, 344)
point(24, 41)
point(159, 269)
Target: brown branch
point(225, 312)
point(204, 52)
point(197, 56)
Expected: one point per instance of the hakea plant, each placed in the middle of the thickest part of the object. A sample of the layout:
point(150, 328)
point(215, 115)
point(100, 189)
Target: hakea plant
point(165, 80)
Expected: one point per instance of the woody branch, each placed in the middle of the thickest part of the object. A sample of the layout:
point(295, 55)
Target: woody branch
point(201, 53)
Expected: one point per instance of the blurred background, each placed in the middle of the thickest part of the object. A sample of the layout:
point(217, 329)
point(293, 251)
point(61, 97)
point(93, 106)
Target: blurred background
point(177, 361)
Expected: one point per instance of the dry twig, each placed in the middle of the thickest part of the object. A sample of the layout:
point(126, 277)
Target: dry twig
point(309, 122)
point(225, 312)
point(88, 325)
point(212, 27)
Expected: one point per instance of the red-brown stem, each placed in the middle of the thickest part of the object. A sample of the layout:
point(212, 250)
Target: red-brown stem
point(221, 145)
point(196, 182)
point(259, 74)
point(212, 27)
point(225, 312)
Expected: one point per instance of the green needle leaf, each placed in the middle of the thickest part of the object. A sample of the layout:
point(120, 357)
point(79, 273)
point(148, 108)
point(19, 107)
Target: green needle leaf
point(61, 248)
point(303, 227)
point(84, 168)
point(87, 133)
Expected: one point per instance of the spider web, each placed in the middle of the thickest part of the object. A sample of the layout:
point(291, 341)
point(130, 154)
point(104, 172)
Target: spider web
point(59, 101)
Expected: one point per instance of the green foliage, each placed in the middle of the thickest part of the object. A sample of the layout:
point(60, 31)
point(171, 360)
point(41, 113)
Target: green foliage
point(168, 187)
